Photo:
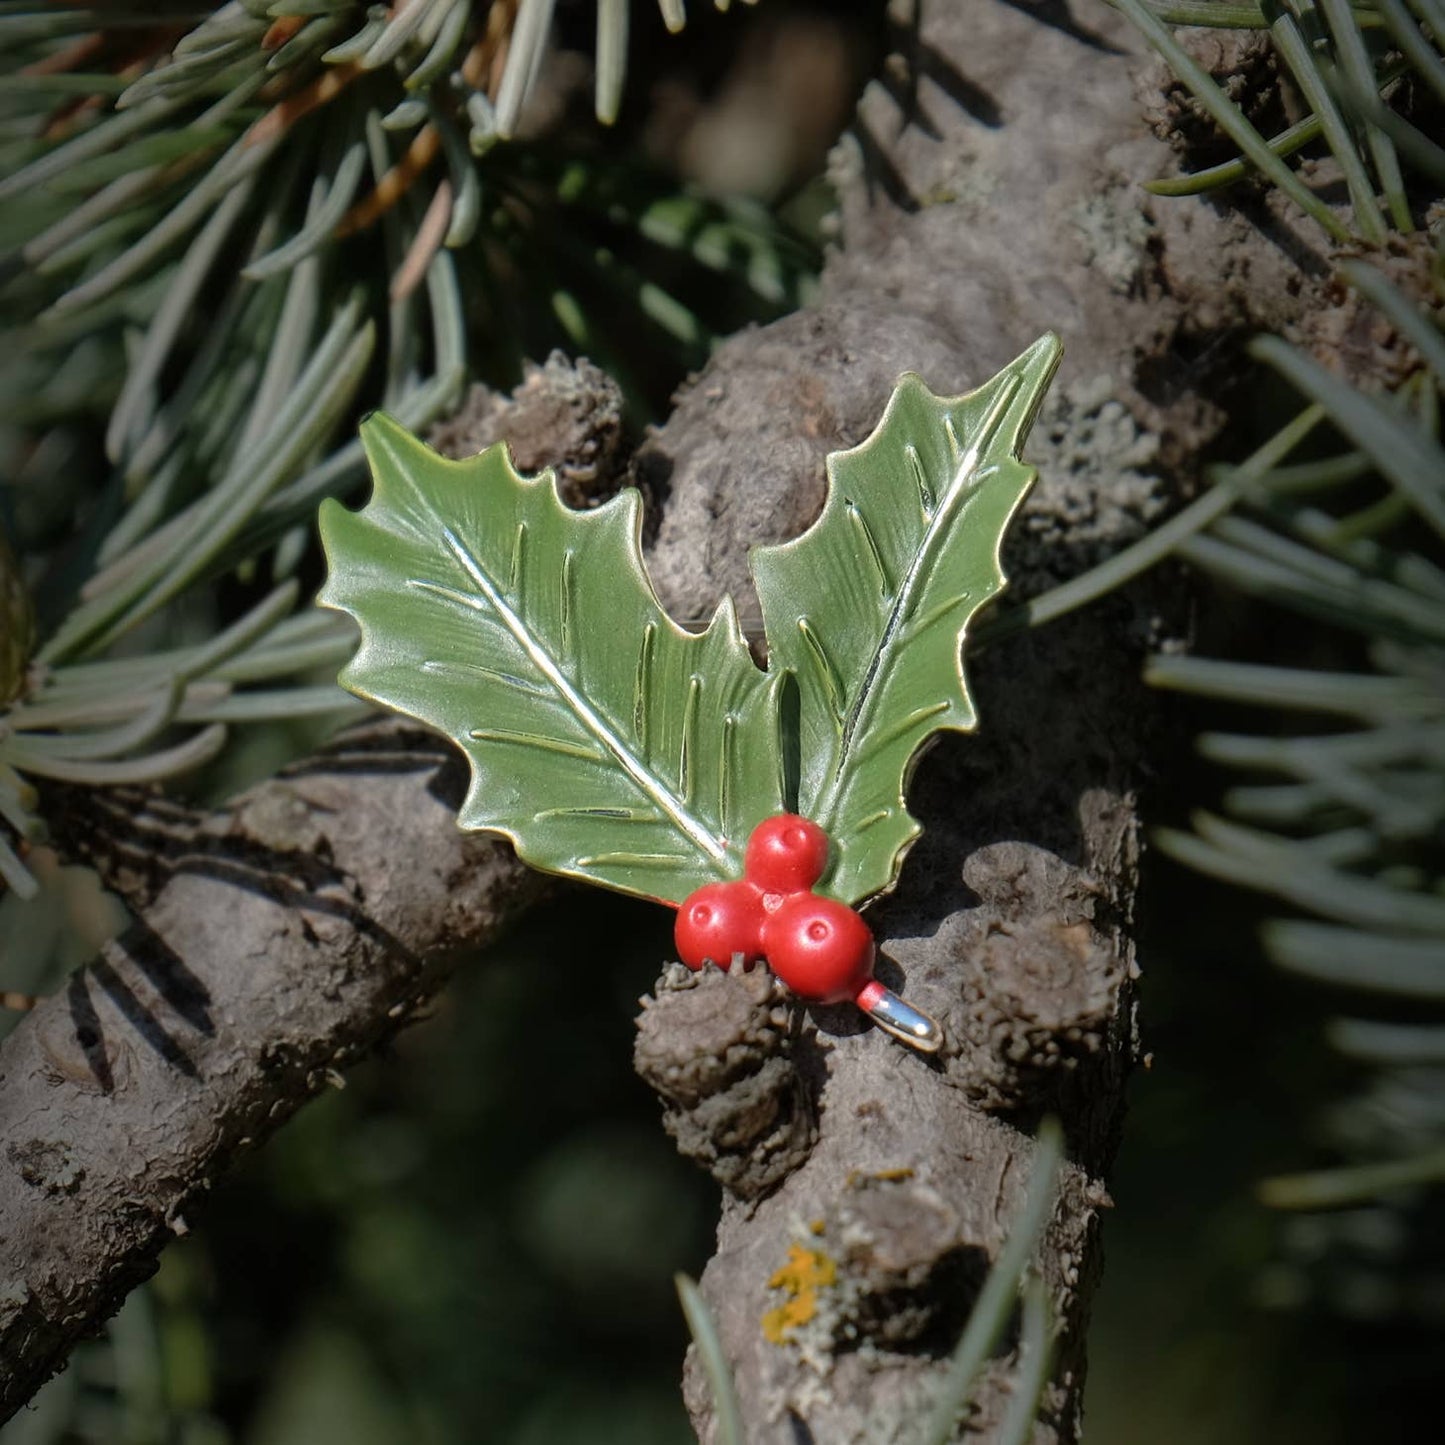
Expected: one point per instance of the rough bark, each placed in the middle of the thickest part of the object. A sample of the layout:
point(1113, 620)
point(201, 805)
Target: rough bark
point(990, 194)
point(276, 940)
point(298, 927)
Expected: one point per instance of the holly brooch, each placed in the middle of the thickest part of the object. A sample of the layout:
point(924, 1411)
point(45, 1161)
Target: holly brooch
point(610, 744)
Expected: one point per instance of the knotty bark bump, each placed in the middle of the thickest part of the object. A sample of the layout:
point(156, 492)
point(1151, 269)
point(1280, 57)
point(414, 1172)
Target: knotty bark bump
point(721, 1051)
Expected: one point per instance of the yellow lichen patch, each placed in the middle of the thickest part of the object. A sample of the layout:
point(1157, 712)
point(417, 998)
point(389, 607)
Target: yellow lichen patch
point(806, 1272)
point(778, 1324)
point(857, 1178)
point(805, 1269)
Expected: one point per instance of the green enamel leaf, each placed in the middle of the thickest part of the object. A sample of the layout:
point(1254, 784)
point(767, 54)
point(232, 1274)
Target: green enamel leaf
point(868, 607)
point(605, 741)
point(612, 745)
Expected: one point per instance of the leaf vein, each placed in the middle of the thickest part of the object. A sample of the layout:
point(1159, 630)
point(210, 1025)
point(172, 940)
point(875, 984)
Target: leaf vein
point(884, 736)
point(918, 571)
point(614, 815)
point(515, 576)
point(635, 860)
point(588, 715)
point(926, 499)
point(823, 666)
point(870, 542)
point(725, 766)
point(935, 614)
point(567, 601)
point(537, 740)
point(439, 667)
point(686, 763)
point(642, 689)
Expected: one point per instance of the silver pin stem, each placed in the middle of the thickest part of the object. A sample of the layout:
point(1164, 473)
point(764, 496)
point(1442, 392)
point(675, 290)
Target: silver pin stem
point(900, 1019)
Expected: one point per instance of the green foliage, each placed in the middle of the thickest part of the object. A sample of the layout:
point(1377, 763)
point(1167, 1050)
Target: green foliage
point(286, 216)
point(610, 744)
point(1334, 54)
point(703, 1328)
point(1346, 824)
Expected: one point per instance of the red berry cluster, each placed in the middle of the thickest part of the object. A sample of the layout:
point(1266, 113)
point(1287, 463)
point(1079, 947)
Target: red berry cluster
point(819, 947)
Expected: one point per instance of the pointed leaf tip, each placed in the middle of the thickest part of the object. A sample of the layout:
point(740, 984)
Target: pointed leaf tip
point(869, 607)
point(1047, 350)
point(385, 439)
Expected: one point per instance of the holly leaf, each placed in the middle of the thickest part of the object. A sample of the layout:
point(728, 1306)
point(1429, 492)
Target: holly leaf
point(612, 745)
point(605, 741)
point(868, 608)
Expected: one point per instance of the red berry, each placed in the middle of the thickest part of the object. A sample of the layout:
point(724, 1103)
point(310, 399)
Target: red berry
point(786, 854)
point(819, 947)
point(717, 921)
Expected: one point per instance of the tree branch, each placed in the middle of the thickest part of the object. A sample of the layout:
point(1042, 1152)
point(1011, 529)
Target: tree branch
point(298, 927)
point(276, 940)
point(991, 194)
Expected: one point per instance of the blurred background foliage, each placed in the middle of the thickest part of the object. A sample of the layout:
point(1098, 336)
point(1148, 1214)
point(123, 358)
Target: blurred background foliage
point(211, 267)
